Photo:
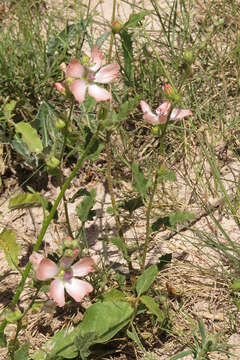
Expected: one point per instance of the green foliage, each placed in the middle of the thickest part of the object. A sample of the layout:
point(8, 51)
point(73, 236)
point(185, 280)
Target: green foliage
point(30, 137)
point(8, 243)
point(101, 322)
point(24, 200)
point(12, 316)
point(180, 217)
point(141, 184)
point(134, 19)
point(235, 285)
point(117, 241)
point(145, 280)
point(154, 308)
point(22, 353)
point(84, 209)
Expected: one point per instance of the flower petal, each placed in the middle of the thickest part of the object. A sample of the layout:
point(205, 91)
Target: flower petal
point(107, 73)
point(179, 114)
point(77, 289)
point(78, 89)
point(164, 108)
point(145, 107)
point(162, 111)
point(46, 269)
point(83, 267)
point(57, 292)
point(96, 59)
point(74, 69)
point(98, 93)
point(35, 259)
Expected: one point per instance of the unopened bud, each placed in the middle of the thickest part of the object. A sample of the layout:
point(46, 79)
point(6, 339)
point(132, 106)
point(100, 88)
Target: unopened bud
point(171, 95)
point(61, 87)
point(188, 57)
point(75, 244)
point(69, 253)
point(52, 162)
point(155, 130)
point(85, 60)
point(117, 26)
point(59, 123)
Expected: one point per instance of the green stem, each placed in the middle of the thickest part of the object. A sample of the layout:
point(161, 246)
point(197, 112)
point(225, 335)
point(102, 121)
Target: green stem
point(112, 34)
point(50, 216)
point(150, 204)
point(61, 162)
point(113, 201)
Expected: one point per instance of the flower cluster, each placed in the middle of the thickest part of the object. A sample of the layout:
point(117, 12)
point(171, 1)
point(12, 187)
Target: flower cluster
point(81, 77)
point(65, 276)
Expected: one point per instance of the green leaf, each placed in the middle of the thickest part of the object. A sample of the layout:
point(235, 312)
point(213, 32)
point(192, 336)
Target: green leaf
point(83, 343)
point(106, 319)
point(235, 285)
point(181, 355)
point(60, 346)
point(12, 316)
point(180, 217)
point(44, 120)
point(141, 184)
point(145, 280)
point(113, 295)
point(22, 201)
point(153, 307)
point(126, 40)
point(120, 245)
point(135, 18)
point(8, 109)
point(30, 137)
point(10, 247)
point(164, 174)
point(84, 209)
point(126, 108)
point(134, 336)
point(22, 353)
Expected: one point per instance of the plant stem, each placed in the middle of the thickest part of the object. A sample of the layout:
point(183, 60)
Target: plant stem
point(61, 175)
point(112, 34)
point(51, 215)
point(113, 201)
point(150, 204)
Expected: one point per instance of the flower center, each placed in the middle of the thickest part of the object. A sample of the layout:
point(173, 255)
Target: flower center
point(68, 275)
point(91, 76)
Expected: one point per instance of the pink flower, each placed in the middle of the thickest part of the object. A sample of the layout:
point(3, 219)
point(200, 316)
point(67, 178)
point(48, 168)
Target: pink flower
point(81, 77)
point(65, 277)
point(162, 113)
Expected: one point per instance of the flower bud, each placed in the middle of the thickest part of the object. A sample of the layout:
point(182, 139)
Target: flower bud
point(171, 95)
point(117, 26)
point(59, 123)
point(61, 87)
point(75, 244)
point(52, 162)
point(188, 57)
point(85, 60)
point(69, 253)
point(155, 130)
